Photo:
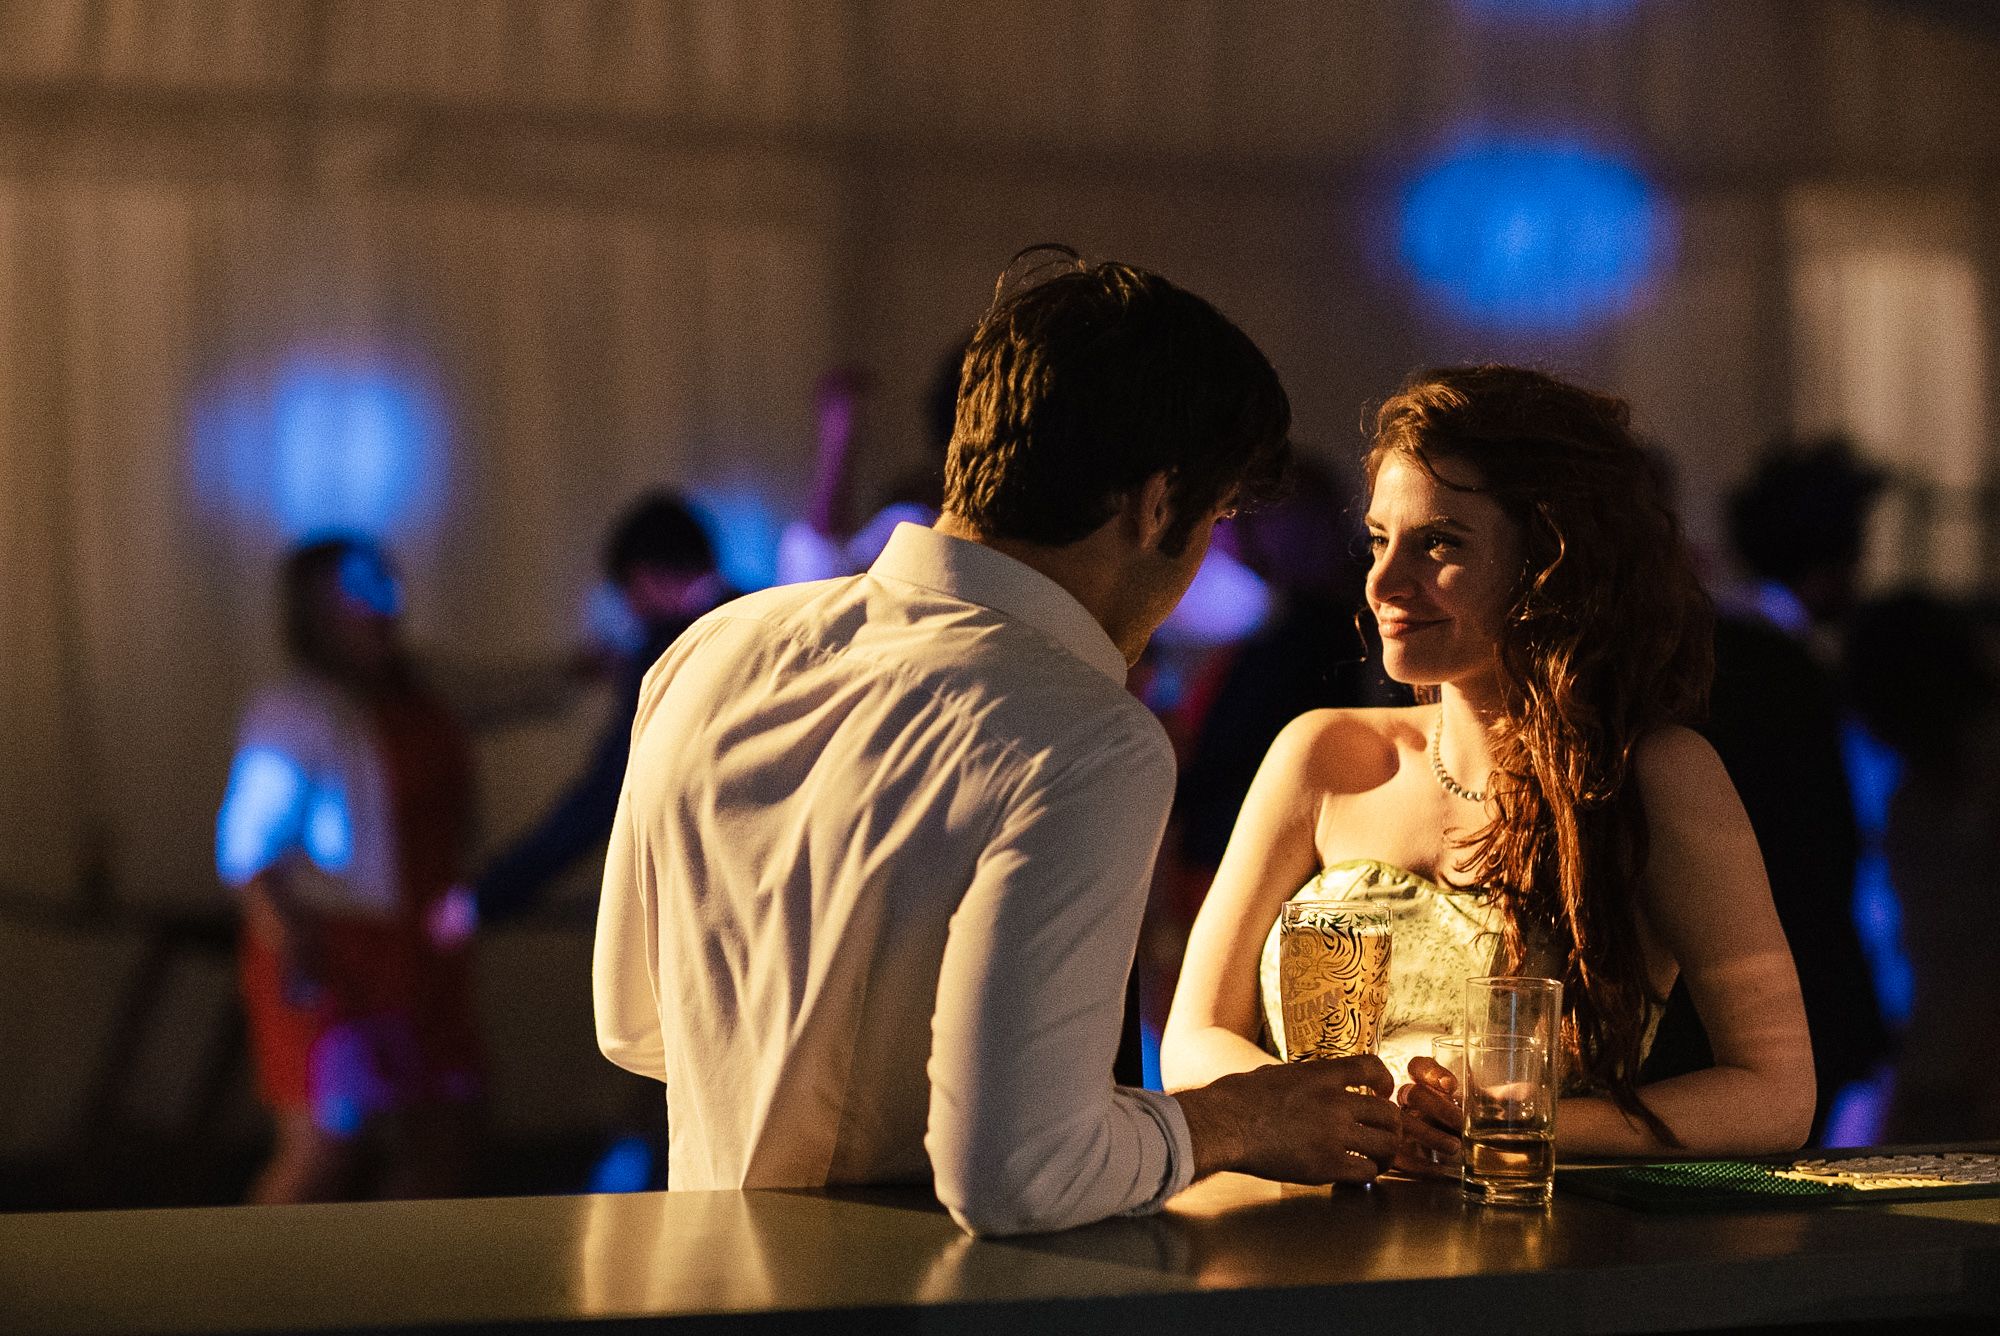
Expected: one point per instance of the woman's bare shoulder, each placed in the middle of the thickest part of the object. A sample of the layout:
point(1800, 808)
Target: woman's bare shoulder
point(1675, 754)
point(1349, 748)
point(1681, 778)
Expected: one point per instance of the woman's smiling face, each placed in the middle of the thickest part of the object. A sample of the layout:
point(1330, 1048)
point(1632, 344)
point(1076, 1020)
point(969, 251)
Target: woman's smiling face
point(1443, 572)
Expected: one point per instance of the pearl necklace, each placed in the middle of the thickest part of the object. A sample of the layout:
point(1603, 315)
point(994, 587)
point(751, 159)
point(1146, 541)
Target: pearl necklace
point(1444, 779)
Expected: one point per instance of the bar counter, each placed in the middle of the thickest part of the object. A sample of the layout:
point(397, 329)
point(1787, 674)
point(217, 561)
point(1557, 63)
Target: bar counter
point(1232, 1254)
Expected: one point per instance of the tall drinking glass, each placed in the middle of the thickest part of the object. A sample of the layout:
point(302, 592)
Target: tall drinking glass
point(1509, 1086)
point(1333, 977)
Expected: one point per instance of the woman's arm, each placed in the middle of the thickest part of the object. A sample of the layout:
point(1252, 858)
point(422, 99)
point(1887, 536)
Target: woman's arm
point(1211, 1030)
point(1709, 906)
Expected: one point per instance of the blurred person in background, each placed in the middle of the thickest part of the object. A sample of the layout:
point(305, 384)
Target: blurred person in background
point(659, 564)
point(660, 560)
point(827, 541)
point(1921, 675)
point(345, 822)
point(1798, 526)
point(1310, 652)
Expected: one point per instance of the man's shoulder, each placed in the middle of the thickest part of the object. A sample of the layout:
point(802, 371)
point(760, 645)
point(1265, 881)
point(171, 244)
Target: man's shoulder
point(1063, 723)
point(1009, 680)
point(800, 611)
point(777, 600)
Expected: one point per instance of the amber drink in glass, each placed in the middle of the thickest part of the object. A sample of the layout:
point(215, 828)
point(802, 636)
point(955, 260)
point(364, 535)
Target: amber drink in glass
point(1509, 1087)
point(1333, 977)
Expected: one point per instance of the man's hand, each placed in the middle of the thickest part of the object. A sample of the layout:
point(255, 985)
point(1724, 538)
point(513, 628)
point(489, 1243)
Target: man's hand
point(1301, 1122)
point(1430, 1145)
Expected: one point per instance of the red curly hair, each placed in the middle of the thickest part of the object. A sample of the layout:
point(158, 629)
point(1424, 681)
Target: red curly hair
point(1608, 636)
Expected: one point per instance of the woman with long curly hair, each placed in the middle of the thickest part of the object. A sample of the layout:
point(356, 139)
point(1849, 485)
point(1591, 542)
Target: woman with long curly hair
point(1544, 809)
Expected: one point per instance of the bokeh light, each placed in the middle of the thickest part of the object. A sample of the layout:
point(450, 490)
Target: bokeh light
point(1546, 11)
point(1535, 235)
point(274, 806)
point(323, 441)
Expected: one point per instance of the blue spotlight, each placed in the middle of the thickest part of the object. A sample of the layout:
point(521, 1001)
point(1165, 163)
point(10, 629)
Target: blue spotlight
point(329, 835)
point(260, 813)
point(339, 441)
point(368, 581)
point(1541, 236)
point(1874, 771)
point(1546, 11)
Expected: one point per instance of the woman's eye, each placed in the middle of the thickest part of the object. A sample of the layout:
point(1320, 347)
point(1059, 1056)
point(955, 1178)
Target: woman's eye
point(1376, 542)
point(1438, 542)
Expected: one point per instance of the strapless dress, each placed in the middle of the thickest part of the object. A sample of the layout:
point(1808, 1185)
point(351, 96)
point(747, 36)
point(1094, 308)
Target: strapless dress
point(1440, 937)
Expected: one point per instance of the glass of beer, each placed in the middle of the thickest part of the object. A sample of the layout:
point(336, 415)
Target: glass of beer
point(1508, 1089)
point(1333, 977)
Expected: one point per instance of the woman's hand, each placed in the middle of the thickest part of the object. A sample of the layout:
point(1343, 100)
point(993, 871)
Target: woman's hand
point(1428, 1145)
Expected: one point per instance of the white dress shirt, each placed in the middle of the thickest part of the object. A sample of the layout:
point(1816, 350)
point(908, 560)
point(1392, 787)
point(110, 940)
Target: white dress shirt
point(875, 887)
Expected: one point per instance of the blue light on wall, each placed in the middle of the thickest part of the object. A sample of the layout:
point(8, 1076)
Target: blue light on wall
point(324, 441)
point(1546, 11)
point(1874, 771)
point(626, 1167)
point(1539, 236)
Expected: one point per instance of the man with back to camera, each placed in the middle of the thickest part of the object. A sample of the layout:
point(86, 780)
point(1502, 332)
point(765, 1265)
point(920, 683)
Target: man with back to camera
point(884, 843)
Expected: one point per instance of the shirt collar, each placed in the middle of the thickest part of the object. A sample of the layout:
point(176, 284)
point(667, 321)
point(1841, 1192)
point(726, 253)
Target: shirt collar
point(978, 574)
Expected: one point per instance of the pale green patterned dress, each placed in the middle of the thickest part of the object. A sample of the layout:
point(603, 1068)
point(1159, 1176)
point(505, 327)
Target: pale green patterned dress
point(1440, 938)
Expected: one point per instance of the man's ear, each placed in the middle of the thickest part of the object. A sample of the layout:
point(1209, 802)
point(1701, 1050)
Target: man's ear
point(1150, 510)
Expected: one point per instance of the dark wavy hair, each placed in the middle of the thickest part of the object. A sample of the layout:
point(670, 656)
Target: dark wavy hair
point(660, 530)
point(1608, 637)
point(1084, 380)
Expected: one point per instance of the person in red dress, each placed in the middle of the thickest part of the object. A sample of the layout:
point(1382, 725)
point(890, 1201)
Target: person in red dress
point(344, 829)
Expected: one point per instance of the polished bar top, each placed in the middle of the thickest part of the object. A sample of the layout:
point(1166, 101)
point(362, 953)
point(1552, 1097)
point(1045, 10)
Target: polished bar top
point(1228, 1253)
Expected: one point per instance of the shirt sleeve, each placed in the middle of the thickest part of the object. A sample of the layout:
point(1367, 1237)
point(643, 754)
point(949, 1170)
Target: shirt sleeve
point(1026, 1130)
point(625, 958)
